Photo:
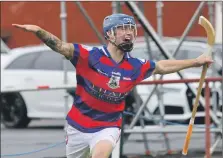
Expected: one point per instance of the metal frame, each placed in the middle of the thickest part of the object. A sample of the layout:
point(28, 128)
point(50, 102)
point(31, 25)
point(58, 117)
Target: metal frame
point(149, 29)
point(159, 129)
point(90, 22)
point(116, 7)
point(189, 26)
point(159, 89)
point(181, 129)
point(63, 17)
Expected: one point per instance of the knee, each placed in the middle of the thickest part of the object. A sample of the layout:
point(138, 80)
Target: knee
point(102, 149)
point(100, 154)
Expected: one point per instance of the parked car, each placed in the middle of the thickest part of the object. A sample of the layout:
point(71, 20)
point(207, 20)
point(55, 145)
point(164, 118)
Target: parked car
point(35, 67)
point(177, 99)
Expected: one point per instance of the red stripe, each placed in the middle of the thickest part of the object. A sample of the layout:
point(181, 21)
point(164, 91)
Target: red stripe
point(101, 80)
point(83, 52)
point(98, 104)
point(106, 61)
point(87, 122)
point(126, 65)
point(145, 67)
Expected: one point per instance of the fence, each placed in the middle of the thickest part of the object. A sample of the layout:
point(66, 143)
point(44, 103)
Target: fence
point(161, 129)
point(208, 149)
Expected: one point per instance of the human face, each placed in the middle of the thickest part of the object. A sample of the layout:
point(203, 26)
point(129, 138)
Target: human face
point(123, 33)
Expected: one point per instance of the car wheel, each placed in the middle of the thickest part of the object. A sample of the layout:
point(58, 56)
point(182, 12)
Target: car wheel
point(14, 112)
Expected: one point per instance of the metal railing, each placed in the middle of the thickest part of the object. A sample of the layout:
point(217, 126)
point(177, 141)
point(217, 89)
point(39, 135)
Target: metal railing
point(171, 129)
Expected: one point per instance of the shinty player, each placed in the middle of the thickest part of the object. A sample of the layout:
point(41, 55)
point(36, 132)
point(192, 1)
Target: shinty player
point(105, 76)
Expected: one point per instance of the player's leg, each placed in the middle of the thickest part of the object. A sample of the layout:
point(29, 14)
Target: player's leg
point(77, 144)
point(102, 149)
point(104, 142)
point(81, 153)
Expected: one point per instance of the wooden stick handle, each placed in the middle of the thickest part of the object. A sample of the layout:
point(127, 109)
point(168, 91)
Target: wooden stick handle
point(199, 89)
point(190, 127)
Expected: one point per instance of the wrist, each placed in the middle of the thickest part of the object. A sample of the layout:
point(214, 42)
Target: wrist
point(36, 29)
point(195, 62)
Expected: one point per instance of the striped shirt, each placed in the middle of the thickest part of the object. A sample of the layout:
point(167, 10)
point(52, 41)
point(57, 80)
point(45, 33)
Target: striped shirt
point(102, 86)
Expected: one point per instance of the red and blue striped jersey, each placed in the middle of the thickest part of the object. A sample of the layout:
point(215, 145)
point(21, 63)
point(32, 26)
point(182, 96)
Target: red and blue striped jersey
point(102, 85)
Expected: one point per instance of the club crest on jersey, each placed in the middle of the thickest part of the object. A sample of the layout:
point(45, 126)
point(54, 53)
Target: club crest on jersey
point(113, 83)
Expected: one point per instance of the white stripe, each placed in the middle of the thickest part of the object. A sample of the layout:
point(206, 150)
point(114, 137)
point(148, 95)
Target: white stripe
point(104, 51)
point(88, 48)
point(128, 56)
point(192, 121)
point(143, 61)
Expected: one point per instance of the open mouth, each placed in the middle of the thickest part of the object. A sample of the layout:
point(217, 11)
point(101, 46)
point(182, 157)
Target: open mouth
point(127, 39)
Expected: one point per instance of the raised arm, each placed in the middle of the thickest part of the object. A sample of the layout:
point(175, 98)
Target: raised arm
point(170, 66)
point(50, 40)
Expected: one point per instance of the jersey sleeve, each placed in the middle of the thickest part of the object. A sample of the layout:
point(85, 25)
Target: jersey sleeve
point(81, 52)
point(147, 68)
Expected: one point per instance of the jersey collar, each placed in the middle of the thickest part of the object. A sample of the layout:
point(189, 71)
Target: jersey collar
point(106, 52)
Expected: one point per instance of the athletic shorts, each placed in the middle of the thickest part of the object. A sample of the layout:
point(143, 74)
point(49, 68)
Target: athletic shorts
point(80, 145)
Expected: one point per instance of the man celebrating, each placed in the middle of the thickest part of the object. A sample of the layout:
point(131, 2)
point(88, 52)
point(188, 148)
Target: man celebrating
point(105, 76)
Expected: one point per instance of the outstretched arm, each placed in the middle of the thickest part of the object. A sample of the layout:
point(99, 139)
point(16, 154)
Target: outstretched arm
point(55, 43)
point(50, 40)
point(170, 66)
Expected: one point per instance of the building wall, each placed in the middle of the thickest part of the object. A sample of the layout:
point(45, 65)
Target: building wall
point(176, 16)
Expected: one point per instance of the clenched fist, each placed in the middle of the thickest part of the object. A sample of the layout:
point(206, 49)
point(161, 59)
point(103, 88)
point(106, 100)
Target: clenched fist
point(203, 59)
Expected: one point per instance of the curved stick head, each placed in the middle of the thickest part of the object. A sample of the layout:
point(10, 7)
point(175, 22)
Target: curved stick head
point(209, 29)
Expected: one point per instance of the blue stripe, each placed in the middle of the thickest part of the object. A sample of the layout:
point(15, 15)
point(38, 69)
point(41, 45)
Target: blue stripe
point(95, 114)
point(100, 93)
point(137, 67)
point(108, 70)
point(76, 54)
point(109, 55)
point(83, 129)
point(95, 64)
point(94, 56)
point(150, 70)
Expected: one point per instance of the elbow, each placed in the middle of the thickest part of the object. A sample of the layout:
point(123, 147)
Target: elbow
point(163, 71)
point(160, 69)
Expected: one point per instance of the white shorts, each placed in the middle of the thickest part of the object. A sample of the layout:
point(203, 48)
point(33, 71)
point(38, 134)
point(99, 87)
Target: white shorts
point(80, 145)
